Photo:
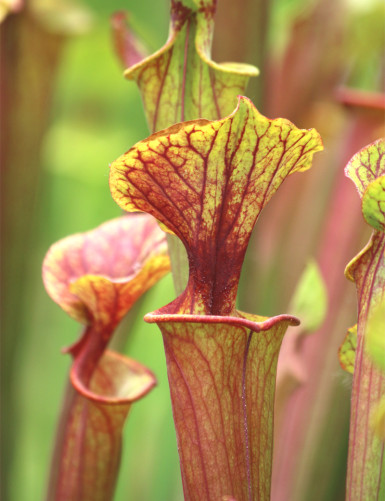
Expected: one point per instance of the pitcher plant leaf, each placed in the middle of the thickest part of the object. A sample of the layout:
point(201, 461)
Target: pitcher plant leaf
point(375, 338)
point(180, 81)
point(96, 277)
point(373, 204)
point(208, 182)
point(86, 272)
point(365, 459)
point(89, 447)
point(367, 166)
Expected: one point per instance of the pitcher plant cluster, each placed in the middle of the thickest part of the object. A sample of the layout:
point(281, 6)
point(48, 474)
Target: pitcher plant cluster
point(193, 191)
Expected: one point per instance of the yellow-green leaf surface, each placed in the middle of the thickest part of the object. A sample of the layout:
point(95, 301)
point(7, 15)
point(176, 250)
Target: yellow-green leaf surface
point(180, 81)
point(367, 170)
point(373, 204)
point(367, 165)
point(375, 335)
point(208, 182)
point(347, 351)
point(366, 465)
point(378, 419)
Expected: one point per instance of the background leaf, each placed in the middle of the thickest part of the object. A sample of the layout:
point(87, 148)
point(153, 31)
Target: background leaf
point(309, 301)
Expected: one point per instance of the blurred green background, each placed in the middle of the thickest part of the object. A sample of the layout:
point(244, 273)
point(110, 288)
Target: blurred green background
point(95, 115)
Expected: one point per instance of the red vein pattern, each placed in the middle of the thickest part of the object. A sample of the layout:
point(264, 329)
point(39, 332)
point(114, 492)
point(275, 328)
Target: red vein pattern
point(89, 436)
point(367, 165)
point(76, 269)
point(222, 406)
point(366, 462)
point(96, 277)
point(365, 477)
point(180, 81)
point(207, 182)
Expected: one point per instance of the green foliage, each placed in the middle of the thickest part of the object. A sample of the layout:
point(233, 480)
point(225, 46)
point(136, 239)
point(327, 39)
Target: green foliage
point(375, 338)
point(373, 204)
point(309, 302)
